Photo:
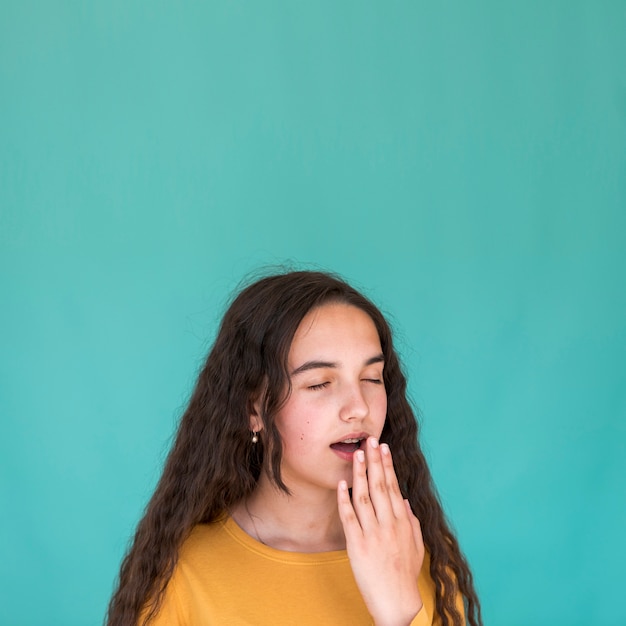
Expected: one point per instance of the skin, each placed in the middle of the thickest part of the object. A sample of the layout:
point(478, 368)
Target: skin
point(336, 369)
point(383, 538)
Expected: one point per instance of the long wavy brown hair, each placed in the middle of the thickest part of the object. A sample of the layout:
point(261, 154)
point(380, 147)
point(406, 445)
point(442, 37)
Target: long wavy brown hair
point(213, 465)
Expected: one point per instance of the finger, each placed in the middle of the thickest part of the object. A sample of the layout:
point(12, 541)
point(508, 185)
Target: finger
point(416, 527)
point(361, 500)
point(377, 482)
point(393, 488)
point(351, 527)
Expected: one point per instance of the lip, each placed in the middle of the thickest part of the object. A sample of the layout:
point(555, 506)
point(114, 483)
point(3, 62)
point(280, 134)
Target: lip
point(345, 455)
point(361, 435)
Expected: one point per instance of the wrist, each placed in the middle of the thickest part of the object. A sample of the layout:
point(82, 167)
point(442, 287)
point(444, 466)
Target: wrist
point(405, 620)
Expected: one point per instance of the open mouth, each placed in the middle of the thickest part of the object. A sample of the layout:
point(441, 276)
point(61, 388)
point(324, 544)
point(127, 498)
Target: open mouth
point(347, 446)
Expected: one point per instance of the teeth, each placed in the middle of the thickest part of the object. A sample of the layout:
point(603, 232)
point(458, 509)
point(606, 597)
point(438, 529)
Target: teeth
point(351, 441)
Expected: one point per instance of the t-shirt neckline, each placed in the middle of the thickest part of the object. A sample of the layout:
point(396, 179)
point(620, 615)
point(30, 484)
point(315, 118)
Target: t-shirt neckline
point(250, 543)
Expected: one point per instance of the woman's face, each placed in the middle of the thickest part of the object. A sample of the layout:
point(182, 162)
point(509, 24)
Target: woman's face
point(338, 396)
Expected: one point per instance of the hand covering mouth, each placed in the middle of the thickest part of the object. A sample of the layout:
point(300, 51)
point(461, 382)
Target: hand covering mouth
point(351, 444)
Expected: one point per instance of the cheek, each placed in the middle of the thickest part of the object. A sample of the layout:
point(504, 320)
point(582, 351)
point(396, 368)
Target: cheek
point(296, 442)
point(303, 433)
point(380, 408)
point(295, 430)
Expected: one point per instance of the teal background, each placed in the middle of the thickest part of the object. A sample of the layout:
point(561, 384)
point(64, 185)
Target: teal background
point(464, 163)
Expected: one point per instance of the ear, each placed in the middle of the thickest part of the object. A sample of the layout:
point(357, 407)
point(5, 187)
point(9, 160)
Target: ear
point(256, 424)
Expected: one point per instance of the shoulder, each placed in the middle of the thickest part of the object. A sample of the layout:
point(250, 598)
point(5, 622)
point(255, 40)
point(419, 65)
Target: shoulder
point(203, 537)
point(205, 543)
point(200, 561)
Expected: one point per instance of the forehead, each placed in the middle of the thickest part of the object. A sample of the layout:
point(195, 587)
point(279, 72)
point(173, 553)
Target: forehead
point(335, 327)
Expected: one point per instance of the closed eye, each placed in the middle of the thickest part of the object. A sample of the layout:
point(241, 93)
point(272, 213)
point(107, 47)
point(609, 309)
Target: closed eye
point(376, 381)
point(318, 386)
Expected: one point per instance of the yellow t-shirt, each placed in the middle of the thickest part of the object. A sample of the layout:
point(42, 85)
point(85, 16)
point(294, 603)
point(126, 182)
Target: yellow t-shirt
point(224, 577)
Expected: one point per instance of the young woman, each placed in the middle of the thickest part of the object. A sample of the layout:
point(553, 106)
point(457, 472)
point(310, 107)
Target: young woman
point(296, 491)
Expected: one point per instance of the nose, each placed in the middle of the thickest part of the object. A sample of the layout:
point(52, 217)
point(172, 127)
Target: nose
point(353, 406)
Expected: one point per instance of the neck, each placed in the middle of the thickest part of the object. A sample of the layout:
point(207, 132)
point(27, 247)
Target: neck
point(305, 521)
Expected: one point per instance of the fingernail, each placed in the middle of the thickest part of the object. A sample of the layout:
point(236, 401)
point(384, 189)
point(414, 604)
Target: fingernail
point(384, 448)
point(360, 456)
point(343, 485)
point(374, 442)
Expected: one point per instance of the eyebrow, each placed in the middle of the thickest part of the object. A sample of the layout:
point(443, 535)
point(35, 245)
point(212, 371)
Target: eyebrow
point(312, 365)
